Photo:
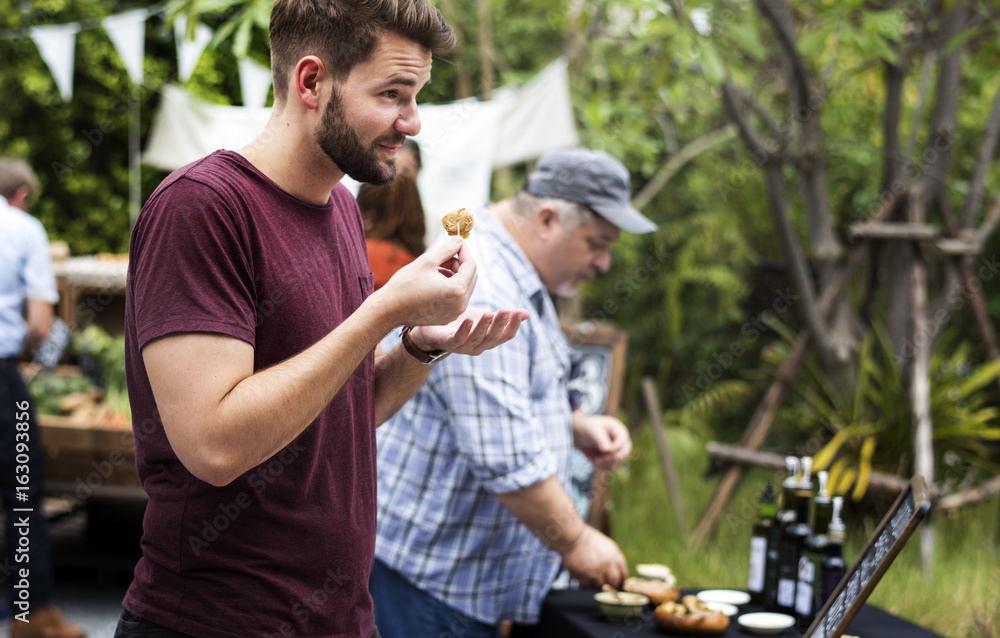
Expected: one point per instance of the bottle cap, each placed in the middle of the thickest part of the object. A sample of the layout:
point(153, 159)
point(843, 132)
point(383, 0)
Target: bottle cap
point(792, 465)
point(806, 481)
point(837, 528)
point(823, 496)
point(768, 494)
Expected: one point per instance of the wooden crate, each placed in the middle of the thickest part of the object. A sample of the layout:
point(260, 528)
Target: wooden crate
point(84, 459)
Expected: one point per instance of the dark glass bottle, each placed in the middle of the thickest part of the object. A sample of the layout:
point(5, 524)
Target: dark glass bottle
point(833, 567)
point(759, 539)
point(814, 550)
point(784, 517)
point(792, 541)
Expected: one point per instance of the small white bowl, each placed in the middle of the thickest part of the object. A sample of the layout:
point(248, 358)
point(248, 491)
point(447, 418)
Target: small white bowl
point(728, 596)
point(765, 623)
point(726, 608)
point(622, 606)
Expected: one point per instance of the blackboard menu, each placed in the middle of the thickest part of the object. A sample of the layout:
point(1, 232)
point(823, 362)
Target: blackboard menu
point(892, 533)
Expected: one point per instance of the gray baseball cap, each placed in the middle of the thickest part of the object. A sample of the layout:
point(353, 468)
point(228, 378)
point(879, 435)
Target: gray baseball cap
point(592, 178)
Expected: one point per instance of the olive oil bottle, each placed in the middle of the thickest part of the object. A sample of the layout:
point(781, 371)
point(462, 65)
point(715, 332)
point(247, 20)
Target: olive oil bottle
point(791, 543)
point(759, 539)
point(833, 567)
point(784, 517)
point(814, 550)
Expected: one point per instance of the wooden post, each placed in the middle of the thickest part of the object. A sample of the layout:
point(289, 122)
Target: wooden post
point(656, 415)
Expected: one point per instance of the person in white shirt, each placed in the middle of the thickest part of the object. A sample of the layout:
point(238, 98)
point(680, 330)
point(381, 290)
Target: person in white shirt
point(27, 292)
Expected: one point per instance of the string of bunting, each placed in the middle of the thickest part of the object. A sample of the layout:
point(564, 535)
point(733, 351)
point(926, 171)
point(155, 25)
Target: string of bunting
point(57, 43)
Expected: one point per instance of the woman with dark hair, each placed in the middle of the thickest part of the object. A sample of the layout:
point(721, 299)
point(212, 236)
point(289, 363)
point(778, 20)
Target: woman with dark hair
point(394, 221)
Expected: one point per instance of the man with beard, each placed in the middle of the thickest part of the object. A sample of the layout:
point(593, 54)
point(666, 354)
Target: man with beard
point(251, 328)
point(475, 520)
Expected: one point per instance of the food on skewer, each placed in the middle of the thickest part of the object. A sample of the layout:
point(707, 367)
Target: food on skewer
point(458, 222)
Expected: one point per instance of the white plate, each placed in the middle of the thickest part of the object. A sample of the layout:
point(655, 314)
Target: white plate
point(728, 596)
point(765, 623)
point(726, 608)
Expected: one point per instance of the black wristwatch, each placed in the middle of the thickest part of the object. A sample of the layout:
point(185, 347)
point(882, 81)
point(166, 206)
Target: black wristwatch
point(424, 357)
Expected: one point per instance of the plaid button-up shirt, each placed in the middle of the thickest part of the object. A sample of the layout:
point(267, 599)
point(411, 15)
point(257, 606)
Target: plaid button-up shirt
point(480, 426)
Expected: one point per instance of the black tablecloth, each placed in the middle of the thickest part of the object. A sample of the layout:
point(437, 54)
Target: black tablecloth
point(573, 613)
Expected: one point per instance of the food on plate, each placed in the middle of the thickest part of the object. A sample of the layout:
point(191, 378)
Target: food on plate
point(659, 591)
point(654, 580)
point(690, 617)
point(458, 222)
point(655, 571)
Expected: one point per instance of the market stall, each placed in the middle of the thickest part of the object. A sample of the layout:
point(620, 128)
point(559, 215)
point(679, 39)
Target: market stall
point(82, 404)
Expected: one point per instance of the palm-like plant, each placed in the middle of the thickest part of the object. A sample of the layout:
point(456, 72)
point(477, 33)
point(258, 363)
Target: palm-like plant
point(871, 426)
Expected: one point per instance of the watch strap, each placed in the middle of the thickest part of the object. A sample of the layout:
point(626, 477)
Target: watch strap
point(424, 357)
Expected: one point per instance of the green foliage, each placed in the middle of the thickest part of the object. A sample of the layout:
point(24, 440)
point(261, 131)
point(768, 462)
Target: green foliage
point(960, 600)
point(871, 427)
point(107, 353)
point(79, 149)
point(644, 84)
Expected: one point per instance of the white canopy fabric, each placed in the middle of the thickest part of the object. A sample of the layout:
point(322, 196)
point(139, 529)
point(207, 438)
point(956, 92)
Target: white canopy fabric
point(460, 143)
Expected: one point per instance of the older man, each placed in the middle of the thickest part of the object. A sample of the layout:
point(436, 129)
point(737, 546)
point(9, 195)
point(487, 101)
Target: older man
point(474, 515)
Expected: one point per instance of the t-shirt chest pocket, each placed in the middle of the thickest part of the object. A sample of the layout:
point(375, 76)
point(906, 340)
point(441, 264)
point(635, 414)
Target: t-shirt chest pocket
point(366, 282)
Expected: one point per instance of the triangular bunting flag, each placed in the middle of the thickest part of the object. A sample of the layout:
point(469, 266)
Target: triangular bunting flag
point(189, 52)
point(128, 33)
point(56, 44)
point(255, 80)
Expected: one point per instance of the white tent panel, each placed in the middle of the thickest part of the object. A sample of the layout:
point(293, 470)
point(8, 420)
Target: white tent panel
point(460, 143)
point(186, 129)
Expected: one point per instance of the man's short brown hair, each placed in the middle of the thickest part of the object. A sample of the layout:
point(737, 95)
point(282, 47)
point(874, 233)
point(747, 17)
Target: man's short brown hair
point(14, 174)
point(342, 33)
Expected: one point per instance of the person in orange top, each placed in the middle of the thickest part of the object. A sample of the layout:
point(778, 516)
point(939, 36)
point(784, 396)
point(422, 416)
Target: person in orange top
point(394, 217)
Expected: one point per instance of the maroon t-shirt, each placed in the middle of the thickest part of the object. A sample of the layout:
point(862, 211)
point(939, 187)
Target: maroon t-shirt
point(286, 549)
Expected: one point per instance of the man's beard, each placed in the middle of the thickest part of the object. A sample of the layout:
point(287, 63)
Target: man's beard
point(342, 144)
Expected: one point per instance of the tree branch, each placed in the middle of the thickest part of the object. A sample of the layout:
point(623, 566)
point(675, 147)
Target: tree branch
point(942, 138)
point(918, 112)
point(760, 112)
point(983, 161)
point(806, 308)
point(892, 168)
point(811, 166)
point(690, 151)
point(755, 143)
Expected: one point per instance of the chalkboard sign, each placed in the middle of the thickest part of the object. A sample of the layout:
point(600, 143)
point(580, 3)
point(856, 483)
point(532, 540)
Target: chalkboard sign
point(599, 362)
point(599, 358)
point(892, 533)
